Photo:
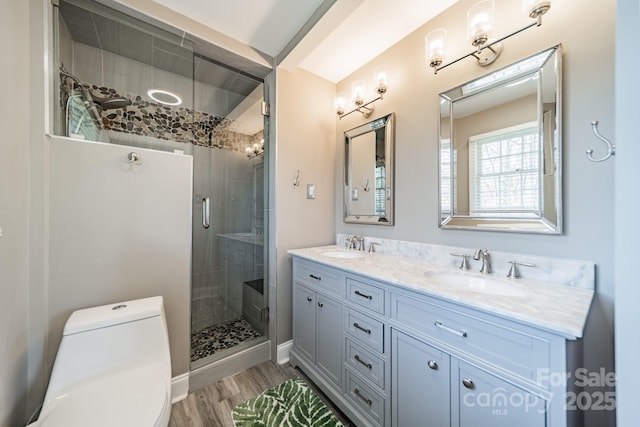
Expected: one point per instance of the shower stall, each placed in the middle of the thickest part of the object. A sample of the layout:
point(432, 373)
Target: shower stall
point(121, 80)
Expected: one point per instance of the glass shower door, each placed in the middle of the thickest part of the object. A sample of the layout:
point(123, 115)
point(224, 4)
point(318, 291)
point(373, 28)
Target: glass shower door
point(228, 293)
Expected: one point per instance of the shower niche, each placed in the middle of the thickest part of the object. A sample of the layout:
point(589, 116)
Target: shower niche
point(120, 80)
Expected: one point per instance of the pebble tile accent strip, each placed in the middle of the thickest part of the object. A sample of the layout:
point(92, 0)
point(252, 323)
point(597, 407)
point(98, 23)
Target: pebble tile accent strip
point(155, 120)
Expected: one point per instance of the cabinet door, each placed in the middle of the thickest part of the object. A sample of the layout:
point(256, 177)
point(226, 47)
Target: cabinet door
point(486, 400)
point(304, 321)
point(329, 337)
point(420, 377)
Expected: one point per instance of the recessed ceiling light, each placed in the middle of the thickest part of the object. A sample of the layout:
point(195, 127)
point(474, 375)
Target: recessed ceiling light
point(164, 97)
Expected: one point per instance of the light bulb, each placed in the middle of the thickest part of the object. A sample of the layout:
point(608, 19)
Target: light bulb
point(381, 78)
point(480, 22)
point(434, 47)
point(358, 91)
point(339, 103)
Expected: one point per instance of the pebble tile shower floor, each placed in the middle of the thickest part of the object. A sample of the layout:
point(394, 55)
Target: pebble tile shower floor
point(219, 337)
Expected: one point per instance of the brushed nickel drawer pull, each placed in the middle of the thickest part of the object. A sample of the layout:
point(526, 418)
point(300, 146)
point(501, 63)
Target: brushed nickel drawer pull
point(360, 294)
point(364, 399)
point(309, 299)
point(357, 326)
point(315, 277)
point(462, 334)
point(368, 365)
point(432, 364)
point(468, 383)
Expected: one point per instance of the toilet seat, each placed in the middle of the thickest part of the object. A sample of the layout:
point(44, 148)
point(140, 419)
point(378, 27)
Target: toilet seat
point(128, 399)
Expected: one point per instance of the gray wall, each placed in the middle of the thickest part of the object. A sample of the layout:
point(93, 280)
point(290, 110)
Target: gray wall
point(588, 95)
point(119, 232)
point(14, 219)
point(627, 206)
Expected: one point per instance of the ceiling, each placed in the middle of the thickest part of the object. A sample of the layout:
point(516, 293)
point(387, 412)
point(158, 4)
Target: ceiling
point(350, 34)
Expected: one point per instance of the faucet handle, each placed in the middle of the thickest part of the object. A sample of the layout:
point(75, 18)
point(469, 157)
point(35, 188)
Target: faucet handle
point(464, 264)
point(372, 246)
point(513, 270)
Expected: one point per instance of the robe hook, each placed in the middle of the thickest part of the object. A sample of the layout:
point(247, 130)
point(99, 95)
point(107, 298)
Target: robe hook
point(611, 148)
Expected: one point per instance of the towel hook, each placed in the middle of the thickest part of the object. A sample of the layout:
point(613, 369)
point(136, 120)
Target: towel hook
point(611, 148)
point(366, 187)
point(132, 158)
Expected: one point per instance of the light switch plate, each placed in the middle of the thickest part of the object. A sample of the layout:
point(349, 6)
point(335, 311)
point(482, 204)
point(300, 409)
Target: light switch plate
point(311, 191)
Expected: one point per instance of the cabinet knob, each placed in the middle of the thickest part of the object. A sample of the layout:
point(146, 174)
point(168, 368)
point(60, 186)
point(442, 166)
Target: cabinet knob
point(309, 299)
point(432, 364)
point(320, 304)
point(468, 383)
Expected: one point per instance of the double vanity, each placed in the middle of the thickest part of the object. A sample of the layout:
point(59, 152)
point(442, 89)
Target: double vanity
point(403, 341)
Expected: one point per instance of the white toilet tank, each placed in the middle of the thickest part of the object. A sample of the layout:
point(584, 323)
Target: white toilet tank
point(113, 367)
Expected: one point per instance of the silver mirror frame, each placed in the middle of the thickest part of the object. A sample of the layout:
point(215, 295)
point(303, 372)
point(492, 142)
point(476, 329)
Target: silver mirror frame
point(388, 124)
point(552, 224)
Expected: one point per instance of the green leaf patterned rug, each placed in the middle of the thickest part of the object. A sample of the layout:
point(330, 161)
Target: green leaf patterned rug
point(291, 404)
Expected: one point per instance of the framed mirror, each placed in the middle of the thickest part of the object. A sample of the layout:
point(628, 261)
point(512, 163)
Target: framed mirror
point(500, 140)
point(368, 172)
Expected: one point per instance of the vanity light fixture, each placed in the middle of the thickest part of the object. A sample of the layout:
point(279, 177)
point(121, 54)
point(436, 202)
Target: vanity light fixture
point(164, 97)
point(479, 28)
point(256, 150)
point(359, 94)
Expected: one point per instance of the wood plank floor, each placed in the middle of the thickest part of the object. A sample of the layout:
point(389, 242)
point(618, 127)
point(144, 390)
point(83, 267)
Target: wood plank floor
point(211, 406)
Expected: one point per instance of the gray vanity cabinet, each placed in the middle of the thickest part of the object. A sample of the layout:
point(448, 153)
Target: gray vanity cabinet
point(420, 383)
point(482, 399)
point(387, 355)
point(317, 320)
point(428, 383)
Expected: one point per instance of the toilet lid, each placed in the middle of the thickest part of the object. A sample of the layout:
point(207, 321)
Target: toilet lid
point(128, 399)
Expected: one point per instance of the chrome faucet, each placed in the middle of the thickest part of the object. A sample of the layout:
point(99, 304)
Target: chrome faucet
point(483, 255)
point(354, 242)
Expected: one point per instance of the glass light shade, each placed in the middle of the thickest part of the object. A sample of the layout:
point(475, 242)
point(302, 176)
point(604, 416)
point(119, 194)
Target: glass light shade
point(381, 78)
point(340, 102)
point(480, 22)
point(535, 8)
point(358, 89)
point(434, 44)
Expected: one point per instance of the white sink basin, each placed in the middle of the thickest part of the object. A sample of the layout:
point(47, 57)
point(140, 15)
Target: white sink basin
point(464, 281)
point(342, 254)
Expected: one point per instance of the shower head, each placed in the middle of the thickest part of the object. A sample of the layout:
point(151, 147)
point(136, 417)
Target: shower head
point(87, 99)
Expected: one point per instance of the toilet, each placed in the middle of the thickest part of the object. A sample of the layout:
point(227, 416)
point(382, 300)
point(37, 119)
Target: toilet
point(113, 368)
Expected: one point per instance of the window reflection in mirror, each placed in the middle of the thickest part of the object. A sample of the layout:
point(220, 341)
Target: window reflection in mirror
point(368, 185)
point(500, 149)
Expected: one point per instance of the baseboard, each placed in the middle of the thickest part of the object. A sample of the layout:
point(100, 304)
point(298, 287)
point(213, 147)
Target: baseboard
point(283, 350)
point(179, 387)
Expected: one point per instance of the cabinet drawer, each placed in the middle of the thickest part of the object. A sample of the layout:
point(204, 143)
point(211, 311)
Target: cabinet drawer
point(365, 398)
point(365, 329)
point(509, 348)
point(319, 277)
point(366, 295)
point(366, 363)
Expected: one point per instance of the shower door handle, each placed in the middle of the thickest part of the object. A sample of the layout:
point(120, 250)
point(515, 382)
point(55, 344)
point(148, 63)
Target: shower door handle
point(205, 212)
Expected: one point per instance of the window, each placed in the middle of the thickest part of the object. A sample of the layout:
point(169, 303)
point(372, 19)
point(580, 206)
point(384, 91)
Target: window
point(446, 185)
point(381, 191)
point(504, 171)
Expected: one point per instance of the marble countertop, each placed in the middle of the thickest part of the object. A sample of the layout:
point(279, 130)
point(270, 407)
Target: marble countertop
point(557, 308)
